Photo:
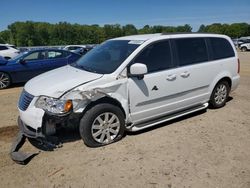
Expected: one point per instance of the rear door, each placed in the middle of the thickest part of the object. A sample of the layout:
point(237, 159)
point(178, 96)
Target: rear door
point(194, 71)
point(55, 59)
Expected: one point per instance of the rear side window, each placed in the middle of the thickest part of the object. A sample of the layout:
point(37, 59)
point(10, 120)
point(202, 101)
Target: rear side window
point(191, 51)
point(157, 57)
point(55, 54)
point(221, 48)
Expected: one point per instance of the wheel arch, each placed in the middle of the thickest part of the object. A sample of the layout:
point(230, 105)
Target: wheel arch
point(11, 81)
point(105, 99)
point(226, 78)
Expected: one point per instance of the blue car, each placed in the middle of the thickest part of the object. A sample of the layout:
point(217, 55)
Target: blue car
point(32, 63)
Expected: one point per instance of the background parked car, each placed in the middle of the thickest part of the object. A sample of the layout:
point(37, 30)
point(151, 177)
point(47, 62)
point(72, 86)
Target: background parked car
point(30, 64)
point(8, 51)
point(72, 48)
point(79, 49)
point(244, 47)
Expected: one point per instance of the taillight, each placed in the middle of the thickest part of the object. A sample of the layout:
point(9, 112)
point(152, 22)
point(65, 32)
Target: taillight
point(238, 65)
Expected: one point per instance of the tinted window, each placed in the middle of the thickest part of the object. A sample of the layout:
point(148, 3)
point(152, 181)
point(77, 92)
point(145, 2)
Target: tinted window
point(66, 53)
point(221, 48)
point(12, 46)
point(191, 50)
point(74, 47)
point(35, 56)
point(157, 56)
point(3, 48)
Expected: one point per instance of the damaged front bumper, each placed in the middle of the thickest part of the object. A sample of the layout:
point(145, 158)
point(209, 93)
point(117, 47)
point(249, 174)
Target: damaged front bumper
point(42, 135)
point(29, 131)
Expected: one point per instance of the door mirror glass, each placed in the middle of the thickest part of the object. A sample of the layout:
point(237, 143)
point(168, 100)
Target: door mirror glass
point(138, 69)
point(22, 61)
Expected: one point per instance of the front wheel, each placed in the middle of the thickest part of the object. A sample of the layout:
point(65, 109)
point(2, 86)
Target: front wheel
point(101, 125)
point(4, 80)
point(219, 95)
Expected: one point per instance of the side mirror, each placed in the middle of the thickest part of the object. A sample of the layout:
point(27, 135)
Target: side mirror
point(138, 69)
point(21, 61)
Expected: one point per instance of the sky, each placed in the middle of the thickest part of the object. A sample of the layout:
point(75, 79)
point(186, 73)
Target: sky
point(136, 12)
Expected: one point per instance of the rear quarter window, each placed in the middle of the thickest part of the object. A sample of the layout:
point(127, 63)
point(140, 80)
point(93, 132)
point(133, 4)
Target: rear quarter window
point(221, 48)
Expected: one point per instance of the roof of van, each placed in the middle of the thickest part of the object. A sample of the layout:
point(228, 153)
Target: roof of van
point(145, 37)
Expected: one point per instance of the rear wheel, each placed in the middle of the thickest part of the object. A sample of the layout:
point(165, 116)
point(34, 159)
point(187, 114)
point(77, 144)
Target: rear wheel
point(101, 125)
point(219, 95)
point(243, 49)
point(4, 80)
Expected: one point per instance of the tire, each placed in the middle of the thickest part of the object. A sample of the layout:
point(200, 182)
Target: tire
point(243, 49)
point(5, 80)
point(101, 125)
point(219, 95)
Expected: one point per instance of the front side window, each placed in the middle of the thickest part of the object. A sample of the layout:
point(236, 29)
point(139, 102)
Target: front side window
point(107, 57)
point(191, 51)
point(35, 56)
point(157, 57)
point(221, 48)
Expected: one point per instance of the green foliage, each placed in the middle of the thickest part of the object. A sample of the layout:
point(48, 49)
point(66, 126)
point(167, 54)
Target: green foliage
point(31, 33)
point(235, 30)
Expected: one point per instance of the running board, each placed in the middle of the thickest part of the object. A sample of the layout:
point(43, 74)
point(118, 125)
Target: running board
point(167, 118)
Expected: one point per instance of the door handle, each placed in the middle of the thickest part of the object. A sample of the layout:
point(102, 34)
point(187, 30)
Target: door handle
point(185, 74)
point(171, 77)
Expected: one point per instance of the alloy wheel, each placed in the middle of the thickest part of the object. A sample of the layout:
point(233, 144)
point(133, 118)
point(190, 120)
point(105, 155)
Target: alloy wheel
point(4, 80)
point(105, 128)
point(220, 94)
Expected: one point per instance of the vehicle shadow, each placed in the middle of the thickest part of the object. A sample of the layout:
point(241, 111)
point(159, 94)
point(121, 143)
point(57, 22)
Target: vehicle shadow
point(16, 85)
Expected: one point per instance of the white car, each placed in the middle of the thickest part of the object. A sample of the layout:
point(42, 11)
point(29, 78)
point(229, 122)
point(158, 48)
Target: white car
point(245, 47)
point(8, 51)
point(129, 84)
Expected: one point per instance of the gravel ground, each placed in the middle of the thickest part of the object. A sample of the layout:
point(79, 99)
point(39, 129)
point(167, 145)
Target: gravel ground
point(210, 149)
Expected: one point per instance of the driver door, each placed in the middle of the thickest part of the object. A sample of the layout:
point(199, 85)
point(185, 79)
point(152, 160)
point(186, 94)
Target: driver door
point(29, 67)
point(155, 94)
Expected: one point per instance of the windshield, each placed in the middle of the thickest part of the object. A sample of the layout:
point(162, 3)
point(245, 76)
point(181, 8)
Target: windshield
point(19, 56)
point(107, 57)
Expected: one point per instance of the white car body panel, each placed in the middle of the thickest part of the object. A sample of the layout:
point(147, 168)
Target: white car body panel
point(247, 45)
point(10, 52)
point(33, 116)
point(63, 78)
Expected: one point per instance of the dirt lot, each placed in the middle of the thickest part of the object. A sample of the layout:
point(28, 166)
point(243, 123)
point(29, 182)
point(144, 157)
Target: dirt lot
point(210, 149)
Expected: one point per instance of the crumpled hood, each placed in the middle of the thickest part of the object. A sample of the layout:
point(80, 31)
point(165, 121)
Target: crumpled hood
point(56, 82)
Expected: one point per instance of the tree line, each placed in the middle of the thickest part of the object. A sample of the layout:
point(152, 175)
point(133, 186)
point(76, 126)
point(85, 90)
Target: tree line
point(31, 33)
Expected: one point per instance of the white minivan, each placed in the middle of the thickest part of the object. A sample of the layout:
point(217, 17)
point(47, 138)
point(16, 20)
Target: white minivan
point(129, 84)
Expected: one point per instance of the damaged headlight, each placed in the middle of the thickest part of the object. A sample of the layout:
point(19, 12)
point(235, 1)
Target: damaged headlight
point(52, 105)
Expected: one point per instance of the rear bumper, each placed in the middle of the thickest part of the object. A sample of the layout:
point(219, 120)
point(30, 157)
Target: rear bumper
point(235, 82)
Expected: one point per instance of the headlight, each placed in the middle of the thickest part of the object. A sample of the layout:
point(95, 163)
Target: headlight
point(53, 105)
